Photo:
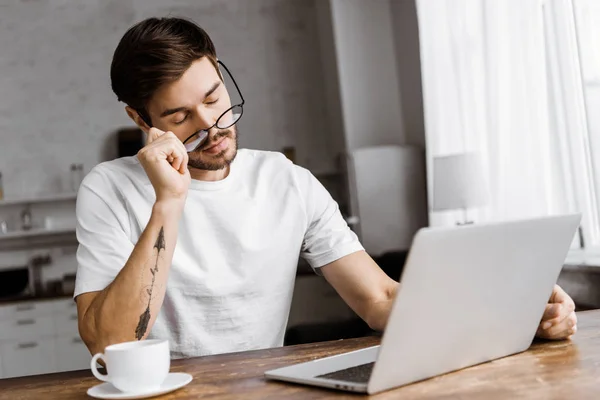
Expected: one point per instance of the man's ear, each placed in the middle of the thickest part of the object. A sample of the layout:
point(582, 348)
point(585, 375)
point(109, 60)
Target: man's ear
point(139, 121)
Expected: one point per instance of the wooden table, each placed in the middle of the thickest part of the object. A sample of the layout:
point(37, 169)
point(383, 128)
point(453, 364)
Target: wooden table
point(549, 370)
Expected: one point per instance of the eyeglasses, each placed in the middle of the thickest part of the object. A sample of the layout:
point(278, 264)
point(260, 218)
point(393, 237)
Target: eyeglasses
point(225, 120)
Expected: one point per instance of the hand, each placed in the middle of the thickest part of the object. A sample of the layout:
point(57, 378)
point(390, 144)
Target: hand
point(559, 320)
point(165, 159)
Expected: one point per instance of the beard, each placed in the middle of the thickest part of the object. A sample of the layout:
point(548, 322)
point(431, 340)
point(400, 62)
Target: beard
point(214, 162)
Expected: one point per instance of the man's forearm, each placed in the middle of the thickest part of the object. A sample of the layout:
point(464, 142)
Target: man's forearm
point(363, 286)
point(128, 307)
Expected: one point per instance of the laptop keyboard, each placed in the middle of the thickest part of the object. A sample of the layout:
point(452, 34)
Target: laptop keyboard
point(358, 374)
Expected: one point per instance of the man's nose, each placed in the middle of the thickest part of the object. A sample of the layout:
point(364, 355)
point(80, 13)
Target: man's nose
point(205, 118)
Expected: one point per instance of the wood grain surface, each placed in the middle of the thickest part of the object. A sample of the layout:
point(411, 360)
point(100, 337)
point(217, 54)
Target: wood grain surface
point(548, 370)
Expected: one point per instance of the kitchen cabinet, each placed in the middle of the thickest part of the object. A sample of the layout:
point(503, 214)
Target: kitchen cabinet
point(71, 353)
point(25, 328)
point(28, 357)
point(39, 337)
point(66, 323)
point(26, 309)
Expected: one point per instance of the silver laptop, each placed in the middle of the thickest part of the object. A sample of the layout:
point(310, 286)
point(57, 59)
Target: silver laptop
point(469, 294)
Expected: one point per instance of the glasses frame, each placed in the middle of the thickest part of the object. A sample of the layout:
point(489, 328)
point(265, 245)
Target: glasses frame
point(146, 119)
point(241, 105)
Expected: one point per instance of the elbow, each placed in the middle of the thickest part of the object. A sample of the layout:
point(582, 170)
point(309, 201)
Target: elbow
point(376, 316)
point(96, 333)
point(376, 322)
point(96, 338)
point(378, 311)
point(85, 322)
point(90, 339)
point(92, 335)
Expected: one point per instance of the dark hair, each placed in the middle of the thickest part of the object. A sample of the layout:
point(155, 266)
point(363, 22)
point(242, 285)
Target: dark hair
point(153, 52)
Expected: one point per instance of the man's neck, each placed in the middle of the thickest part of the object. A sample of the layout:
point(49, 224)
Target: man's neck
point(212, 176)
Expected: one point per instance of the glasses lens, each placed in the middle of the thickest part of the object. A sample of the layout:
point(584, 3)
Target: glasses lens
point(230, 117)
point(195, 141)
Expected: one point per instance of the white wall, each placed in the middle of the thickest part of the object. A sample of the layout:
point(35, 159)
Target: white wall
point(331, 76)
point(370, 55)
point(368, 80)
point(373, 87)
point(56, 105)
point(408, 62)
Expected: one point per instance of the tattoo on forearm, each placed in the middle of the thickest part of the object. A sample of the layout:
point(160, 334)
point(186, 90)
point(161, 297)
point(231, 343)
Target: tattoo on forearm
point(140, 331)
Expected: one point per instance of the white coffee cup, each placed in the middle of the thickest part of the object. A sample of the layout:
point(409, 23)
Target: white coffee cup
point(139, 366)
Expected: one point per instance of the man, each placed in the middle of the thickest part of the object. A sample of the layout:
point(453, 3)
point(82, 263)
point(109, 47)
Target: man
point(197, 242)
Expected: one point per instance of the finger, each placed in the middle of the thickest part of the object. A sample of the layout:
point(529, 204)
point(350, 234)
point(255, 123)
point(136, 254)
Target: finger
point(552, 311)
point(564, 334)
point(171, 149)
point(168, 143)
point(153, 134)
point(178, 154)
point(555, 330)
point(185, 161)
point(564, 312)
point(164, 148)
point(560, 296)
point(176, 163)
point(557, 313)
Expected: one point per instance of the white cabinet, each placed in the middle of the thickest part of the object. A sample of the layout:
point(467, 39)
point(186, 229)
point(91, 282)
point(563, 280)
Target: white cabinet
point(71, 353)
point(40, 337)
point(66, 323)
point(26, 310)
point(64, 306)
point(25, 328)
point(29, 357)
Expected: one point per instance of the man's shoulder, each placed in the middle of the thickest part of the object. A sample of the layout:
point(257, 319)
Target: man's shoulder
point(123, 164)
point(119, 166)
point(115, 172)
point(262, 156)
point(270, 167)
point(265, 160)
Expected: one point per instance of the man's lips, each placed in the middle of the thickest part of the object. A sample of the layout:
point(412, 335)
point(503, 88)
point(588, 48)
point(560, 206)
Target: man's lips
point(217, 147)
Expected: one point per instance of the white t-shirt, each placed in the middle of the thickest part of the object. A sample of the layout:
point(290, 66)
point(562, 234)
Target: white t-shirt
point(231, 280)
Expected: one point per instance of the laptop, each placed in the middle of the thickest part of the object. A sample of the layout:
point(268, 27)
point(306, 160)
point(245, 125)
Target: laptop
point(469, 294)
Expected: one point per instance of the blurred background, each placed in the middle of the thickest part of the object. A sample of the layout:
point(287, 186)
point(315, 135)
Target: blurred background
point(411, 112)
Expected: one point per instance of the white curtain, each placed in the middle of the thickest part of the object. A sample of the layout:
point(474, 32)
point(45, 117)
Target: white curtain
point(495, 83)
point(587, 21)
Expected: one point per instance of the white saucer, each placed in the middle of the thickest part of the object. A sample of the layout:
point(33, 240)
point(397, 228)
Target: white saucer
point(174, 381)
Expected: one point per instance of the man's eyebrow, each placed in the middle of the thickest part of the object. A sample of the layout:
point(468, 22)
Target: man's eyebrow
point(172, 111)
point(212, 89)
